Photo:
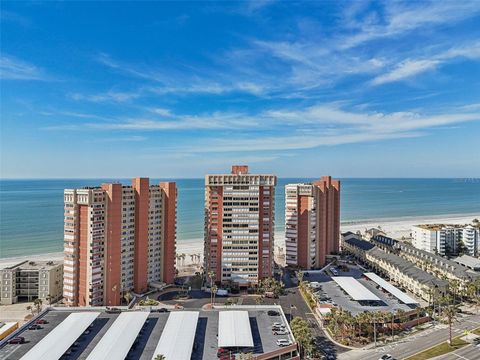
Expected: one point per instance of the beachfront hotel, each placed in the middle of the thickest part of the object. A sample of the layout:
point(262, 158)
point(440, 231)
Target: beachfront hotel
point(239, 226)
point(118, 239)
point(312, 222)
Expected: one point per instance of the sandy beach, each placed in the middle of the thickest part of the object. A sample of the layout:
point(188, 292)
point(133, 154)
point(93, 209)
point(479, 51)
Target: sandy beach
point(193, 249)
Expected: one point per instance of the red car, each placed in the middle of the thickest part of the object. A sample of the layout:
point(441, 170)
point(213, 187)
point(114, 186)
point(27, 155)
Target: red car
point(17, 340)
point(222, 352)
point(41, 321)
point(227, 357)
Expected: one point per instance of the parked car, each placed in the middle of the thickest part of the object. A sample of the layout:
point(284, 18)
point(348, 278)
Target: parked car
point(283, 342)
point(273, 313)
point(41, 321)
point(222, 352)
point(35, 327)
point(161, 310)
point(277, 324)
point(113, 310)
point(280, 332)
point(17, 340)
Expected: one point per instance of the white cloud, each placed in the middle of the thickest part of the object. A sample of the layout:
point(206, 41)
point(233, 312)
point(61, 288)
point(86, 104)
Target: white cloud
point(403, 17)
point(109, 96)
point(411, 67)
point(285, 129)
point(12, 68)
point(406, 69)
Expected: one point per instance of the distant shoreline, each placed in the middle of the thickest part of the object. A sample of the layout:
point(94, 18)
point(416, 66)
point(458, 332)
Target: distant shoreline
point(397, 227)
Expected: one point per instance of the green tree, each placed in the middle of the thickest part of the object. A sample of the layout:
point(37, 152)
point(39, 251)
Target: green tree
point(450, 312)
point(302, 334)
point(128, 297)
point(160, 357)
point(246, 356)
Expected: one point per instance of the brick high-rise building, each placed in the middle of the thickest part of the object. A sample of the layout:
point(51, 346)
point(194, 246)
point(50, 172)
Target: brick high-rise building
point(239, 226)
point(312, 222)
point(118, 239)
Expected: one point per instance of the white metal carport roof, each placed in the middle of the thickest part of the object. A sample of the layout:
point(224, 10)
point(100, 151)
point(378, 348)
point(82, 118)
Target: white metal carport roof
point(356, 290)
point(176, 342)
point(234, 329)
point(119, 338)
point(57, 341)
point(400, 295)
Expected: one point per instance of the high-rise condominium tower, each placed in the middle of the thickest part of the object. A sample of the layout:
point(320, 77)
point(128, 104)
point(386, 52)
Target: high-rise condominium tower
point(312, 222)
point(118, 239)
point(239, 226)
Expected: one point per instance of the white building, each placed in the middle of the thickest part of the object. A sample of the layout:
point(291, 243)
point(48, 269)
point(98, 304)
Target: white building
point(444, 239)
point(30, 280)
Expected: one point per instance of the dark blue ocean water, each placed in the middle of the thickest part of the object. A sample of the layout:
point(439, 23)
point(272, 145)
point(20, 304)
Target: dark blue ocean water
point(31, 211)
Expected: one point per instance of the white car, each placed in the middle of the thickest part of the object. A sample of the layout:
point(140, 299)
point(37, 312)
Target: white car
point(283, 342)
point(282, 331)
point(277, 324)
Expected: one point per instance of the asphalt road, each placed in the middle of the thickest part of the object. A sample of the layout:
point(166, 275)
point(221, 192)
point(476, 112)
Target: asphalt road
point(418, 342)
point(470, 352)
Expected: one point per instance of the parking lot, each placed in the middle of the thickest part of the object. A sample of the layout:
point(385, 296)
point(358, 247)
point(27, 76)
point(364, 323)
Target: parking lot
point(330, 293)
point(205, 342)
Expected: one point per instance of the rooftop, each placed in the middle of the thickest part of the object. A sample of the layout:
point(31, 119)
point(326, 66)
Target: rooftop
point(407, 267)
point(451, 266)
point(468, 261)
point(361, 244)
point(34, 265)
point(436, 227)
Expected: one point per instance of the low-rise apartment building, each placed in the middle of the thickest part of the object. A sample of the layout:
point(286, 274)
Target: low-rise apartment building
point(30, 280)
point(358, 247)
point(437, 265)
point(404, 273)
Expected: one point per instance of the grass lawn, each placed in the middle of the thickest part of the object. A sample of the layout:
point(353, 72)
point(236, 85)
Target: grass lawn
point(438, 350)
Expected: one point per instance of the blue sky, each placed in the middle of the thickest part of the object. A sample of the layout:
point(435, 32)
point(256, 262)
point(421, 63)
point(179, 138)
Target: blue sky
point(350, 89)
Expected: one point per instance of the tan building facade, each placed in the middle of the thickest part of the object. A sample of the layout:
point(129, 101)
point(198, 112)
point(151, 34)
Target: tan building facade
point(239, 226)
point(118, 239)
point(30, 280)
point(312, 222)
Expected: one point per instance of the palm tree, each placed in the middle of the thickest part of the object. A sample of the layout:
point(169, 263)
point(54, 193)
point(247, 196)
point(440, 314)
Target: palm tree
point(38, 304)
point(49, 298)
point(450, 312)
point(128, 297)
point(211, 276)
point(160, 357)
point(302, 334)
point(214, 290)
point(31, 308)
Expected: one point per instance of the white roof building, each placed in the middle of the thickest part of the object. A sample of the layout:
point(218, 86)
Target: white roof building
point(355, 289)
point(234, 329)
point(400, 295)
point(176, 342)
point(57, 341)
point(119, 338)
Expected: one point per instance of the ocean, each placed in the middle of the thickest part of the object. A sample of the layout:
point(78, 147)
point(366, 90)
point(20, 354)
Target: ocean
point(31, 211)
